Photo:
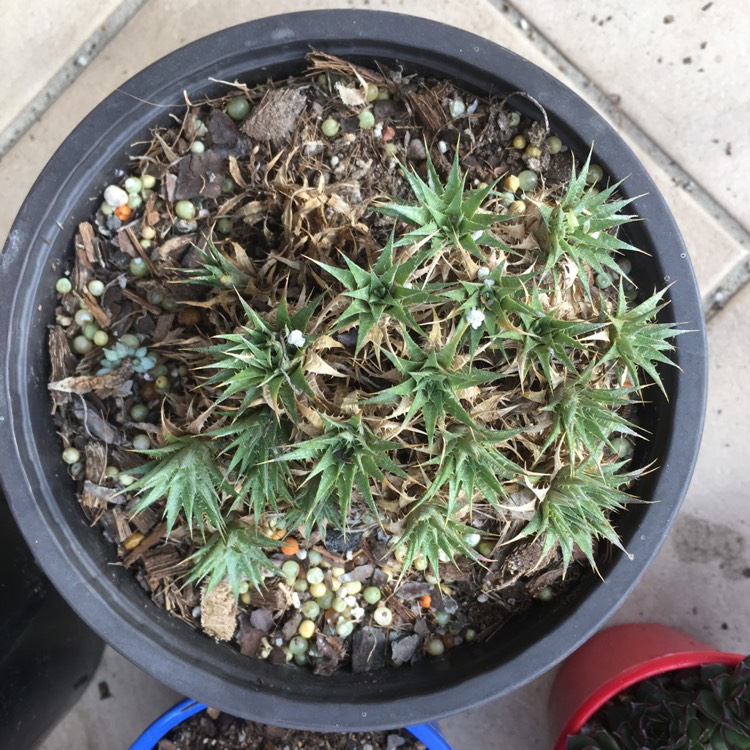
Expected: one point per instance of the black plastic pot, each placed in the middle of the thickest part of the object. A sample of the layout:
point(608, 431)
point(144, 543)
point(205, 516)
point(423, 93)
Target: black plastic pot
point(78, 560)
point(47, 655)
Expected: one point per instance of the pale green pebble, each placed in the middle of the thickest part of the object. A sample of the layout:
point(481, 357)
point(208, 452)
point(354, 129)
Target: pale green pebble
point(141, 442)
point(244, 587)
point(469, 635)
point(473, 539)
point(603, 280)
point(290, 569)
point(622, 447)
point(125, 479)
point(145, 244)
point(148, 233)
point(515, 119)
point(101, 338)
point(315, 575)
point(138, 412)
point(154, 298)
point(298, 645)
point(138, 267)
point(435, 647)
point(83, 316)
point(89, 330)
point(169, 304)
point(301, 585)
point(149, 181)
point(420, 562)
point(133, 185)
point(197, 147)
point(135, 201)
point(228, 185)
point(326, 600)
point(185, 210)
point(353, 587)
point(528, 180)
point(338, 605)
point(224, 225)
point(330, 127)
point(344, 628)
point(372, 594)
point(595, 174)
point(64, 286)
point(442, 617)
point(71, 455)
point(96, 287)
point(161, 384)
point(391, 149)
point(383, 94)
point(372, 92)
point(366, 120)
point(111, 472)
point(383, 616)
point(310, 609)
point(238, 108)
point(630, 291)
point(131, 340)
point(314, 558)
point(81, 345)
point(625, 265)
point(106, 209)
point(486, 547)
point(76, 468)
point(337, 571)
point(554, 144)
point(159, 370)
point(300, 659)
point(546, 594)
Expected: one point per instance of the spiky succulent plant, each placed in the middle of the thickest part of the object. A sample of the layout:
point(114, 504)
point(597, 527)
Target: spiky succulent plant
point(705, 708)
point(447, 374)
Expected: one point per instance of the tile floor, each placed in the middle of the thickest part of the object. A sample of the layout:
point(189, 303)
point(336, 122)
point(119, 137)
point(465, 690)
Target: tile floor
point(670, 74)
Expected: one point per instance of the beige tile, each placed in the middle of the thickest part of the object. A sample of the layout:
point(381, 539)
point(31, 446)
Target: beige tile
point(37, 40)
point(683, 82)
point(700, 578)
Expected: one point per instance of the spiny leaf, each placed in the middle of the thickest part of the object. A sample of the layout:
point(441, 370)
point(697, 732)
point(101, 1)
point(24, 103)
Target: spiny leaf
point(186, 474)
point(237, 556)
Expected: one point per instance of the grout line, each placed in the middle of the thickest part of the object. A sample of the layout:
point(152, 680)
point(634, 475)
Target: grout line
point(716, 298)
point(68, 72)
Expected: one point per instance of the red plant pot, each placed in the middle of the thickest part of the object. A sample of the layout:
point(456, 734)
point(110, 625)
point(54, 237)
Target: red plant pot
point(615, 659)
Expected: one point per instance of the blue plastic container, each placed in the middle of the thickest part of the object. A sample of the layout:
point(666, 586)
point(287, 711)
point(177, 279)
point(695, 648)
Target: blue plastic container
point(428, 734)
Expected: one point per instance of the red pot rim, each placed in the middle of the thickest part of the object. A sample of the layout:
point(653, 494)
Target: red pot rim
point(629, 677)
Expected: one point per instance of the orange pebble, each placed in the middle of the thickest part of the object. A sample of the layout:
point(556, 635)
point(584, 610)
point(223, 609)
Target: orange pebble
point(123, 213)
point(290, 546)
point(425, 601)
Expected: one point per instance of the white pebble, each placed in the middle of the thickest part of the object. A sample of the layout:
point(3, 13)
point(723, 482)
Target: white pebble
point(489, 282)
point(296, 603)
point(457, 107)
point(196, 613)
point(334, 161)
point(474, 318)
point(482, 598)
point(295, 338)
point(377, 131)
point(351, 601)
point(472, 108)
point(442, 147)
point(302, 554)
point(279, 641)
point(115, 196)
point(476, 235)
point(483, 273)
point(358, 613)
point(349, 554)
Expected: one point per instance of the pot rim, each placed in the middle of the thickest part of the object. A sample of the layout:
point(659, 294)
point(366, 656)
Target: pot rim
point(649, 668)
point(140, 632)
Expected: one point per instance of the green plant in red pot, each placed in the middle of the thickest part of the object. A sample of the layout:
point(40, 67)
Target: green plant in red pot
point(651, 686)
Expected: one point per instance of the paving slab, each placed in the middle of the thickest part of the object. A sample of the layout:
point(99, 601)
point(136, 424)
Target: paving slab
point(679, 70)
point(41, 41)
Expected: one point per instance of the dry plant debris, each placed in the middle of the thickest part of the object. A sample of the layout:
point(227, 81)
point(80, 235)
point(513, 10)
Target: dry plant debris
point(360, 352)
